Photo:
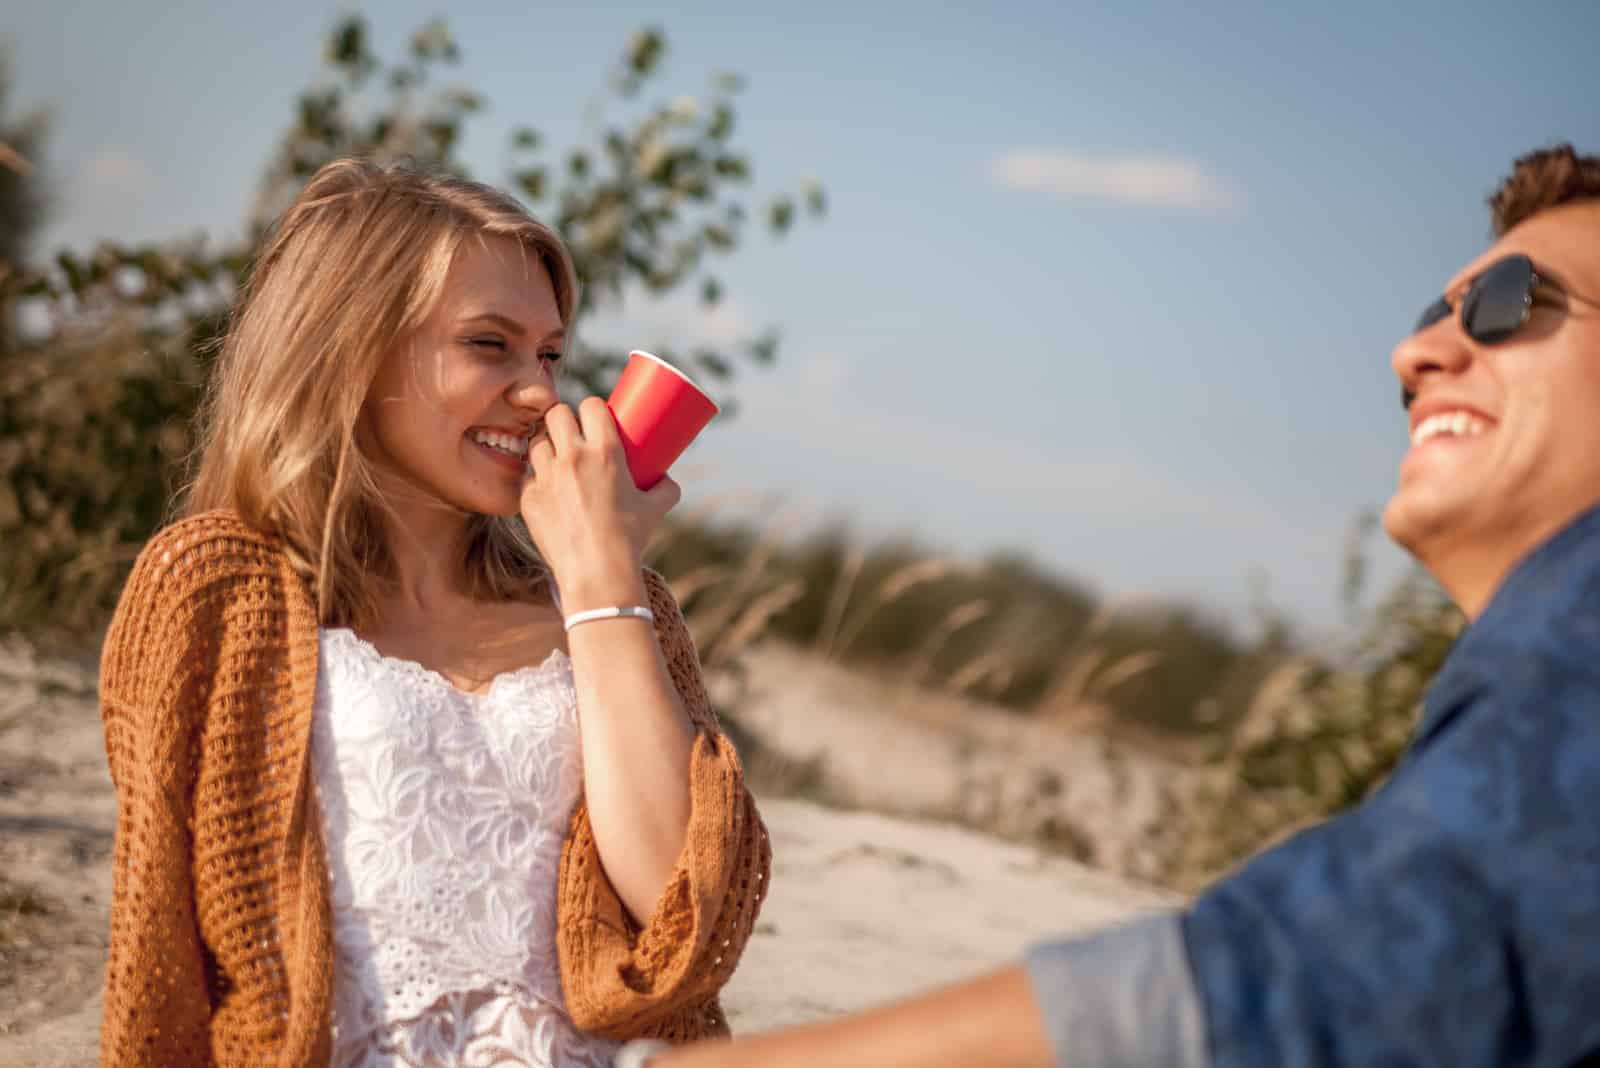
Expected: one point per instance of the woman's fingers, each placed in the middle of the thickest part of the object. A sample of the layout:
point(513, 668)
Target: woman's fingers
point(664, 495)
point(561, 429)
point(594, 417)
point(541, 454)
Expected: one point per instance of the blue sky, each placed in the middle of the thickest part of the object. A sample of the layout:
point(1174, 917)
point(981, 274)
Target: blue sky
point(1113, 285)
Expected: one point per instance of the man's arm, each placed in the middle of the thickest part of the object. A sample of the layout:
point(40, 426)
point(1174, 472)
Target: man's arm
point(1121, 996)
point(990, 1021)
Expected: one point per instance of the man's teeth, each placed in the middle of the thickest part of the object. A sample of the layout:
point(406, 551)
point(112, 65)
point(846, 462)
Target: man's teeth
point(504, 442)
point(1459, 424)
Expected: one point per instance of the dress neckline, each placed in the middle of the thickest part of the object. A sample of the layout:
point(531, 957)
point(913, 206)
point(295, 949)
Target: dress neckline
point(555, 661)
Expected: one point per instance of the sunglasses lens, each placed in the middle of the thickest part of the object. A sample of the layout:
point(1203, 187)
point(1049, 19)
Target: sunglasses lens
point(1497, 304)
point(1439, 309)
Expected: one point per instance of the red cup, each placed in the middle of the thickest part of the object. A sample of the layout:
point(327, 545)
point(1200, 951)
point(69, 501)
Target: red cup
point(659, 411)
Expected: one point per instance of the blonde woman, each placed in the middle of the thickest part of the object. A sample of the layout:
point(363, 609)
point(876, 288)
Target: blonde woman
point(397, 784)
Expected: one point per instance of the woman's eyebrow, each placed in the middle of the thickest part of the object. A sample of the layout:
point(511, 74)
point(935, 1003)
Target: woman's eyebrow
point(506, 323)
point(510, 325)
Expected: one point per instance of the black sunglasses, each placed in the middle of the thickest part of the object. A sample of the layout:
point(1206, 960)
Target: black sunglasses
point(1496, 305)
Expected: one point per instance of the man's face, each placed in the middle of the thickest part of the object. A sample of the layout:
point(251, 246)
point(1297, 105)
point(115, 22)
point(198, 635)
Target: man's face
point(1527, 460)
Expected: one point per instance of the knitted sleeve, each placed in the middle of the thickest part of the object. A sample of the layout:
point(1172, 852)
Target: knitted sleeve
point(622, 981)
point(153, 678)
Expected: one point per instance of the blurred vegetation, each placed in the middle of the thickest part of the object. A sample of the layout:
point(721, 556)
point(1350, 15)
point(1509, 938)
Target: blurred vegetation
point(1319, 735)
point(1271, 735)
point(1002, 629)
point(103, 353)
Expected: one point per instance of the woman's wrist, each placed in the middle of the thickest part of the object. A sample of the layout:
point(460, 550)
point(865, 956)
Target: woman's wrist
point(612, 588)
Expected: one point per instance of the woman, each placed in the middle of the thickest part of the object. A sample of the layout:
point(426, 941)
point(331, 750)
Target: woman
point(398, 784)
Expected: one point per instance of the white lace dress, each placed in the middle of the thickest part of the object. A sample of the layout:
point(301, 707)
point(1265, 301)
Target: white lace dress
point(444, 814)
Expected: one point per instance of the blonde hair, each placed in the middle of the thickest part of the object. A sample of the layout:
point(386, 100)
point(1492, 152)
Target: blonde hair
point(349, 270)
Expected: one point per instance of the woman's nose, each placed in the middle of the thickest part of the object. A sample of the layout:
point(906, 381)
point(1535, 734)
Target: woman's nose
point(534, 387)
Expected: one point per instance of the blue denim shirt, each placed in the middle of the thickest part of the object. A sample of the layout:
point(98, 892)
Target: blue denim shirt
point(1453, 918)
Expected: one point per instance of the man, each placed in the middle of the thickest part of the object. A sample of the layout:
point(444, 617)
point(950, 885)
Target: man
point(1454, 917)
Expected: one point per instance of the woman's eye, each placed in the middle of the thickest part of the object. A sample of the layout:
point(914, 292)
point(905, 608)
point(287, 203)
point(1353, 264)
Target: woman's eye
point(552, 356)
point(498, 344)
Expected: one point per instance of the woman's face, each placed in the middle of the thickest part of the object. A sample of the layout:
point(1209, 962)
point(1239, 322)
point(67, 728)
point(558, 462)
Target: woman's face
point(453, 408)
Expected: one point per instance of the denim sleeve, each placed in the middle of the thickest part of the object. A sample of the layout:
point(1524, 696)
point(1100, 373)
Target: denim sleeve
point(1454, 918)
point(1121, 998)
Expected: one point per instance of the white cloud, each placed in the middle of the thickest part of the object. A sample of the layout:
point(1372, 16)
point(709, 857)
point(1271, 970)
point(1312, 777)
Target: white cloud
point(1156, 181)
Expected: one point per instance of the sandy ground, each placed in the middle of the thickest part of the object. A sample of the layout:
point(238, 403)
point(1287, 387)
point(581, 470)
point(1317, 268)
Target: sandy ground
point(864, 907)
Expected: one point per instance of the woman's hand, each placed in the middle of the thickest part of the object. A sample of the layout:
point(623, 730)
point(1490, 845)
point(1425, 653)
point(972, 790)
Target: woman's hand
point(590, 522)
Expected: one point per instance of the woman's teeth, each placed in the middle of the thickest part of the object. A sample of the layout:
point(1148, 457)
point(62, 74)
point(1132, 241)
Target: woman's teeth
point(506, 443)
point(1458, 424)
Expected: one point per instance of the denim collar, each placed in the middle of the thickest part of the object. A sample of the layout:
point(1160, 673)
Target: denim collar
point(1549, 584)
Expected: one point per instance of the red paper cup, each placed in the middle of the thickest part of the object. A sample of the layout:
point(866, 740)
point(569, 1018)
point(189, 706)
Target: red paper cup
point(659, 411)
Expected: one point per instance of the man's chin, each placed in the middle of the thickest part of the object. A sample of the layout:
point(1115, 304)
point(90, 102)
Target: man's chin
point(1418, 517)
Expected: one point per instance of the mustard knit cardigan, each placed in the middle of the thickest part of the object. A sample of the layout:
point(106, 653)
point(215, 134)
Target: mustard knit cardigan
point(221, 944)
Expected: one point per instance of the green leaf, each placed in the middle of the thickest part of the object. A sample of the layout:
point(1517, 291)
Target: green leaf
point(816, 199)
point(617, 147)
point(433, 41)
point(710, 291)
point(718, 237)
point(780, 213)
point(74, 272)
point(578, 164)
point(714, 366)
point(314, 111)
point(645, 50)
point(525, 137)
point(532, 182)
point(443, 134)
point(728, 82)
point(637, 263)
point(721, 124)
point(764, 349)
point(347, 45)
point(736, 168)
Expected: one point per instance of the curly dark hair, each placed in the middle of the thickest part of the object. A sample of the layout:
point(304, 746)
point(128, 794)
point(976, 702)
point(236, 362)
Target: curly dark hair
point(1541, 180)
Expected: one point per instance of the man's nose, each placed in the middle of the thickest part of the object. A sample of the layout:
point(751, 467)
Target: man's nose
point(1440, 349)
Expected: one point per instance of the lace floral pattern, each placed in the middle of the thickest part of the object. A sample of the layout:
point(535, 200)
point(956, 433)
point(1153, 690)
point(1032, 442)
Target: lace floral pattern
point(444, 814)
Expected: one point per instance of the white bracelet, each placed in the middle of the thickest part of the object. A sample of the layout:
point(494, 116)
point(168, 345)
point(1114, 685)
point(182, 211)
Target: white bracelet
point(637, 1054)
point(628, 611)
